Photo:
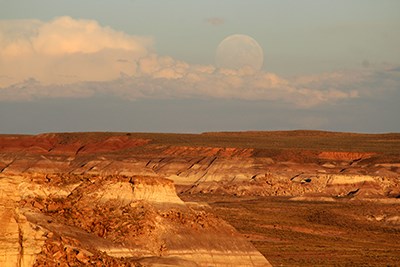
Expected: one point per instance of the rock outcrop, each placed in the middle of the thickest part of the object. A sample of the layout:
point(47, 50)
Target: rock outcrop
point(20, 241)
point(116, 220)
point(110, 198)
point(243, 168)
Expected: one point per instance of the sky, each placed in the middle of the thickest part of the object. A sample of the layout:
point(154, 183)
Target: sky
point(150, 66)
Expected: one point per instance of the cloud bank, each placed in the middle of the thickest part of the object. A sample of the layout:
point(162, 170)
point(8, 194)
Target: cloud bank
point(69, 58)
point(66, 50)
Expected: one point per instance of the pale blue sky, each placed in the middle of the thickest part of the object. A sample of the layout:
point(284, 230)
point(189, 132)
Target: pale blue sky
point(328, 64)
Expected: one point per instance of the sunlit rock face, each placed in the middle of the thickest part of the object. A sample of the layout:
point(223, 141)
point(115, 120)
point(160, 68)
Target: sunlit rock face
point(138, 218)
point(112, 198)
point(214, 163)
point(20, 241)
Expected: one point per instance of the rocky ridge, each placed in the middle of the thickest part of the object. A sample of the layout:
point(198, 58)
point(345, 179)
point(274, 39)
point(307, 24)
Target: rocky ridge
point(112, 220)
point(243, 170)
point(110, 198)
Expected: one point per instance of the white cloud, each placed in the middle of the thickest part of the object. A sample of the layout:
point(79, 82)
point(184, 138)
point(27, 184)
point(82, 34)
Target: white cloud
point(66, 50)
point(67, 36)
point(80, 58)
point(171, 82)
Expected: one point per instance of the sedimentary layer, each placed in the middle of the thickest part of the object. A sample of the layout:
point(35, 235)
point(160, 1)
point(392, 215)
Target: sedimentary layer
point(110, 198)
point(118, 220)
point(230, 163)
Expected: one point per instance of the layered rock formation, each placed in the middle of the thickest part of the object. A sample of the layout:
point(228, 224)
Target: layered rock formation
point(20, 241)
point(112, 220)
point(242, 166)
point(102, 198)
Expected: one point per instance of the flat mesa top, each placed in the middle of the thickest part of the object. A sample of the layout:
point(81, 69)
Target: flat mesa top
point(388, 143)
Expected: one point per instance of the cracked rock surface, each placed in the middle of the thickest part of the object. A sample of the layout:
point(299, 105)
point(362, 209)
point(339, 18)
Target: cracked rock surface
point(112, 221)
point(115, 199)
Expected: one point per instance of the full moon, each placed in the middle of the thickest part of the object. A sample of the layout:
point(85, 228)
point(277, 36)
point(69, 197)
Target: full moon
point(238, 51)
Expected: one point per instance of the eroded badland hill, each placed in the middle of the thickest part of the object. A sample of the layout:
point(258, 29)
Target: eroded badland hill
point(213, 199)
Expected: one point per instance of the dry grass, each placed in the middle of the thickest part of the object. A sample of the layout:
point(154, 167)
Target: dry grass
point(290, 233)
point(278, 140)
point(273, 140)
